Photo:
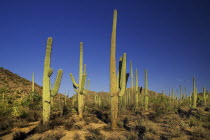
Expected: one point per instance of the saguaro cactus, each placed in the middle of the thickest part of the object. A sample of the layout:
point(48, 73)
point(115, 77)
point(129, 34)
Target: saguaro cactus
point(136, 91)
point(172, 94)
point(194, 101)
point(32, 82)
point(113, 77)
point(132, 81)
point(204, 95)
point(79, 88)
point(47, 92)
point(146, 91)
point(180, 87)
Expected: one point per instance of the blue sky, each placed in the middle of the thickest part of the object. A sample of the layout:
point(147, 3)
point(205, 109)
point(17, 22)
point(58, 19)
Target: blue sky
point(169, 38)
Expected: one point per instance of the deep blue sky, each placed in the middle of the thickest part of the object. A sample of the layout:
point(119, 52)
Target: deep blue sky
point(171, 38)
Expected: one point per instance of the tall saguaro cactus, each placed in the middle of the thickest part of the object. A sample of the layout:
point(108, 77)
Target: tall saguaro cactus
point(113, 77)
point(47, 92)
point(136, 91)
point(32, 82)
point(194, 104)
point(79, 88)
point(146, 91)
point(131, 80)
point(204, 95)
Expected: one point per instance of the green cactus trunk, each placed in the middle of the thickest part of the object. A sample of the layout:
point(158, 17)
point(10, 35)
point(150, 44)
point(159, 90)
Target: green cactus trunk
point(79, 88)
point(172, 94)
point(113, 78)
point(204, 95)
point(136, 91)
point(194, 104)
point(47, 92)
point(132, 82)
point(146, 92)
point(33, 82)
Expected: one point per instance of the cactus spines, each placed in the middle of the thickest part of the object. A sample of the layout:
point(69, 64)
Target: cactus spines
point(146, 91)
point(79, 88)
point(204, 95)
point(47, 92)
point(194, 104)
point(33, 82)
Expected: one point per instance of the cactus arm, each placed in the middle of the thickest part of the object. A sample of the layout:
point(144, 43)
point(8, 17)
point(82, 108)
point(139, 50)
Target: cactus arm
point(123, 76)
point(85, 91)
point(73, 80)
point(127, 76)
point(50, 72)
point(57, 83)
point(76, 90)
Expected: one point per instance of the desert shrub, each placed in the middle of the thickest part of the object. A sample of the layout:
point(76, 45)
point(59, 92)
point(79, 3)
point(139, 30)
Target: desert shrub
point(107, 128)
point(131, 136)
point(34, 101)
point(200, 132)
point(150, 127)
point(54, 136)
point(193, 121)
point(43, 127)
point(162, 106)
point(19, 135)
point(50, 126)
point(77, 136)
point(151, 136)
point(69, 124)
point(5, 109)
point(94, 135)
point(6, 123)
point(140, 130)
point(20, 123)
point(103, 116)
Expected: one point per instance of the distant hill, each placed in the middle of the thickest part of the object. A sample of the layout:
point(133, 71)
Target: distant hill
point(13, 84)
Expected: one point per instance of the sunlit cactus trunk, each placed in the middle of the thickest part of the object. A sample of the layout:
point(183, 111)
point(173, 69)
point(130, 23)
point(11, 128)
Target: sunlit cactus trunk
point(132, 83)
point(32, 82)
point(194, 101)
point(47, 92)
point(122, 80)
point(79, 88)
point(146, 91)
point(204, 95)
point(113, 78)
point(136, 91)
point(173, 97)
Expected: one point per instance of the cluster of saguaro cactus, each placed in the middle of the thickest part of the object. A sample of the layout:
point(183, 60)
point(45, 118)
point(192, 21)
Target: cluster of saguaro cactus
point(47, 92)
point(80, 87)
